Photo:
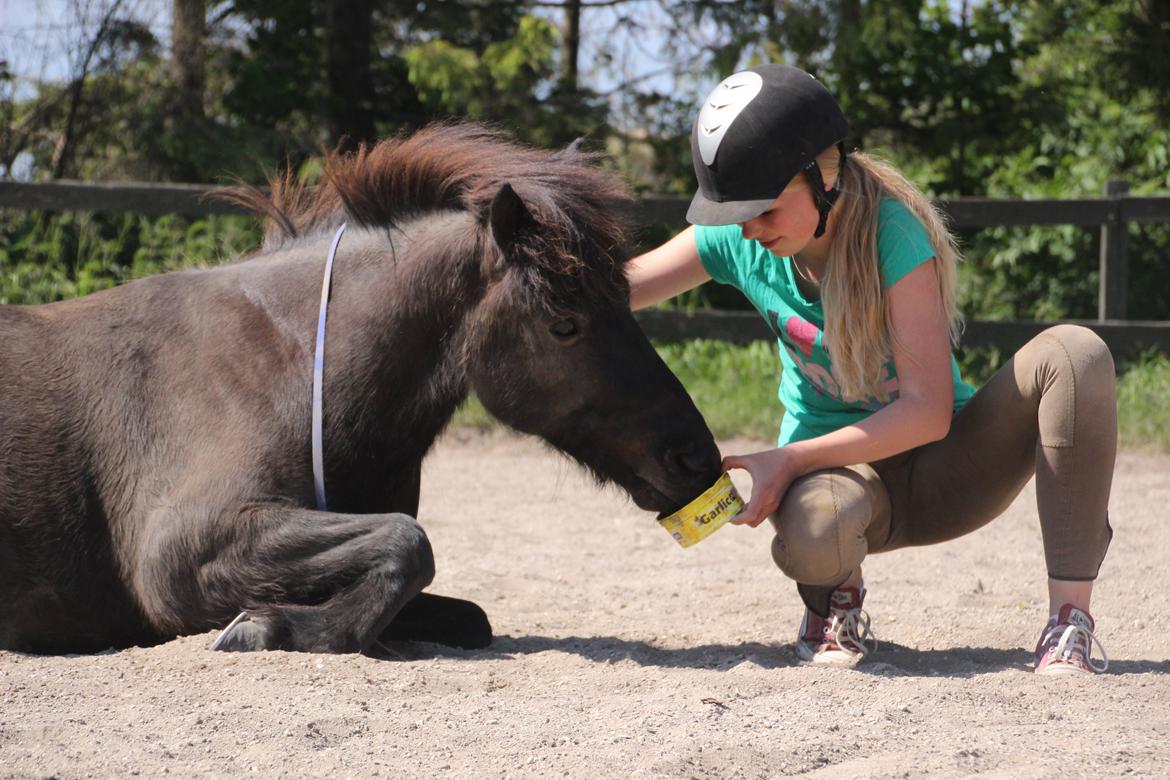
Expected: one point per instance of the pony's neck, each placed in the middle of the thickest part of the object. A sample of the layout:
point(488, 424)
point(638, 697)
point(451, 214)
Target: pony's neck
point(395, 344)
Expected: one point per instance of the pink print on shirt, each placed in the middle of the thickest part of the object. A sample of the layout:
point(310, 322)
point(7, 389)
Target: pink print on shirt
point(803, 334)
point(800, 337)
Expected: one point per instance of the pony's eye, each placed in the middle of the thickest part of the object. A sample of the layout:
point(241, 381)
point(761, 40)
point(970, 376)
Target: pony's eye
point(563, 329)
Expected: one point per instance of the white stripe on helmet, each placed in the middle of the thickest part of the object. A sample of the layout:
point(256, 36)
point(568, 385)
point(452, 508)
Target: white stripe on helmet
point(721, 108)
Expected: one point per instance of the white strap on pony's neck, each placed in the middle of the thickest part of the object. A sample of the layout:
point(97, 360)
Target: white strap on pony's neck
point(318, 374)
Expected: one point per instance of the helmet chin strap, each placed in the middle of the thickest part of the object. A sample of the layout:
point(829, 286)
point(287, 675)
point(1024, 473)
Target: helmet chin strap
point(824, 199)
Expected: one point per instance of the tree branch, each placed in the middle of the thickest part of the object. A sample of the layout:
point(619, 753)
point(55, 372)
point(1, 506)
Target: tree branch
point(76, 87)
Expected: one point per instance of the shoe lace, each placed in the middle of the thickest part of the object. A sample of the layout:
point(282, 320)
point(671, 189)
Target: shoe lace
point(853, 625)
point(1063, 641)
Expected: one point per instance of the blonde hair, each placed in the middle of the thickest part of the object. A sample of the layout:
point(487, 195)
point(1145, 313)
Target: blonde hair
point(857, 329)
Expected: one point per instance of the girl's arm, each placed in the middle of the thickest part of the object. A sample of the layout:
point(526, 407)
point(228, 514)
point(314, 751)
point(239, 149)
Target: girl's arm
point(665, 272)
point(920, 414)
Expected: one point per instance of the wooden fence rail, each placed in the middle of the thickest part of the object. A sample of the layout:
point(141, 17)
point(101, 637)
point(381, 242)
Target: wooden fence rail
point(1110, 214)
point(1123, 337)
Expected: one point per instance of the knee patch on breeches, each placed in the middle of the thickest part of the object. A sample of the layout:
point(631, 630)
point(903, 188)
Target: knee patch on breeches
point(1075, 370)
point(822, 522)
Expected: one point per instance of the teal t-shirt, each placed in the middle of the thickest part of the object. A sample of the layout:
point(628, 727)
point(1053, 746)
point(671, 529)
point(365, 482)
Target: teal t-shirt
point(809, 390)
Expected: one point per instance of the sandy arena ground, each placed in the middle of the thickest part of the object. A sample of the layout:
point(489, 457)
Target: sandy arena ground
point(621, 654)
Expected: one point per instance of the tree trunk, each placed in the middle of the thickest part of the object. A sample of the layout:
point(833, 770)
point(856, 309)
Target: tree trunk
point(845, 59)
point(350, 106)
point(188, 32)
point(572, 44)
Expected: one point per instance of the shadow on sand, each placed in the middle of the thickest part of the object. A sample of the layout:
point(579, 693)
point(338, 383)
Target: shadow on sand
point(890, 660)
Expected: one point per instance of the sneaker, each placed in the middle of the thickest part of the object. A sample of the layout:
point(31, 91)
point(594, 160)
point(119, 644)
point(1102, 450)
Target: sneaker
point(1066, 646)
point(841, 640)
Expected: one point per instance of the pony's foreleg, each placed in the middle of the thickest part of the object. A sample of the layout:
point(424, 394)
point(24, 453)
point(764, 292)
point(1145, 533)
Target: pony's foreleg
point(310, 581)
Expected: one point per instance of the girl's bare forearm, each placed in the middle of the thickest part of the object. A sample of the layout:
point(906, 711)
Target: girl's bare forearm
point(903, 425)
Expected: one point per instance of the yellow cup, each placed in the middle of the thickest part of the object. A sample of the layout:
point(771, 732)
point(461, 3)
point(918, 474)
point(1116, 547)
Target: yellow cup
point(705, 515)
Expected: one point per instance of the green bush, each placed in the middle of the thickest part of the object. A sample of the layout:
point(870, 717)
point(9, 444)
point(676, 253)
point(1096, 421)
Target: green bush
point(51, 257)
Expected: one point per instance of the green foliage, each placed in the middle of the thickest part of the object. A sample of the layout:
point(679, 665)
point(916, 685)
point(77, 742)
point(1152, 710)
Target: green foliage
point(45, 258)
point(1001, 98)
point(274, 79)
point(498, 85)
point(1079, 137)
point(468, 25)
point(733, 386)
point(1143, 415)
point(977, 364)
point(472, 415)
point(447, 77)
point(528, 56)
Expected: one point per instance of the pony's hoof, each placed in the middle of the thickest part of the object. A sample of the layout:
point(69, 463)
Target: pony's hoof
point(241, 636)
point(442, 620)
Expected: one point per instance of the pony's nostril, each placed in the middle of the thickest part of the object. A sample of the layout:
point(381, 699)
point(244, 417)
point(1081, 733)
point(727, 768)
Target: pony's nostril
point(697, 463)
point(686, 458)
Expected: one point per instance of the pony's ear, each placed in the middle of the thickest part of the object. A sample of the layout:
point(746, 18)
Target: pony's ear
point(508, 216)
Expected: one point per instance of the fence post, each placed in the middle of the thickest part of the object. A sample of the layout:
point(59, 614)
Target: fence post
point(1111, 293)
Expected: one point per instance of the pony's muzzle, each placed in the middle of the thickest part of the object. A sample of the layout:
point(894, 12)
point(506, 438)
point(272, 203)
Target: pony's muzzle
point(687, 459)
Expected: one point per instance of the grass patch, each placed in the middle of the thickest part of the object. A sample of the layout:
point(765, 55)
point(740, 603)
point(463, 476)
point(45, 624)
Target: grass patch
point(1143, 404)
point(472, 415)
point(733, 386)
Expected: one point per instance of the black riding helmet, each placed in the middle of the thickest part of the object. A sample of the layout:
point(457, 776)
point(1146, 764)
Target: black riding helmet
point(754, 132)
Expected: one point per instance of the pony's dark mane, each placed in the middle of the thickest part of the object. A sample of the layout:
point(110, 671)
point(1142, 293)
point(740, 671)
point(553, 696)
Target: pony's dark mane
point(461, 167)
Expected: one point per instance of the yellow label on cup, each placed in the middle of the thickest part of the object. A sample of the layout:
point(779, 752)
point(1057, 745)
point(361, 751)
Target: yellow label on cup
point(706, 514)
